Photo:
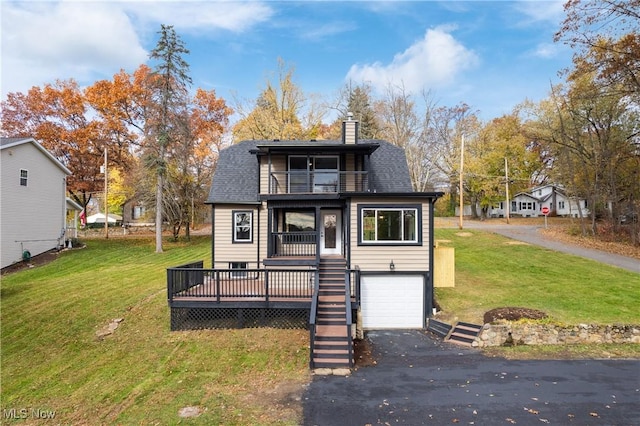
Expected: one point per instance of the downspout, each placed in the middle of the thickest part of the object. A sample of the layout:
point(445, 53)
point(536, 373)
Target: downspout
point(258, 238)
point(63, 233)
point(318, 227)
point(213, 236)
point(347, 232)
point(432, 201)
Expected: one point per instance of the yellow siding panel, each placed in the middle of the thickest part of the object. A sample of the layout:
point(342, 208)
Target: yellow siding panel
point(444, 268)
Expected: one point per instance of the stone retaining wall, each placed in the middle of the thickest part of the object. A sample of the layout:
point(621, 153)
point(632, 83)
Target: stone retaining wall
point(553, 334)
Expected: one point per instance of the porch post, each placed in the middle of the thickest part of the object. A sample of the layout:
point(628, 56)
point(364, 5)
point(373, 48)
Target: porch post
point(319, 226)
point(270, 248)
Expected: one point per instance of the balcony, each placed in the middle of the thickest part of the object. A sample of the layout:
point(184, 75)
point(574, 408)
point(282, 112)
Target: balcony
point(318, 182)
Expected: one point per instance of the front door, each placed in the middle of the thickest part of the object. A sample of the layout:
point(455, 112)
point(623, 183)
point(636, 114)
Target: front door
point(330, 232)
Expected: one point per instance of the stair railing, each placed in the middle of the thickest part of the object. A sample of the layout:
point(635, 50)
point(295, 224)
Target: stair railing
point(312, 317)
point(347, 304)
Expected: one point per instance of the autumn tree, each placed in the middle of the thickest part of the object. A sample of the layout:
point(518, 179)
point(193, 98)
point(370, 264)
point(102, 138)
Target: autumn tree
point(282, 111)
point(60, 117)
point(209, 122)
point(171, 81)
point(500, 152)
point(589, 131)
point(606, 36)
point(447, 127)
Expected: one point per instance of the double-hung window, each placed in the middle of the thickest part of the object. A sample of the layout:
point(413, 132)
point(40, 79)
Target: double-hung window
point(242, 226)
point(24, 175)
point(390, 225)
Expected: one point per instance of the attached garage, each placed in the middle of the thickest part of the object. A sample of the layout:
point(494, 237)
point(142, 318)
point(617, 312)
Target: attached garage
point(393, 301)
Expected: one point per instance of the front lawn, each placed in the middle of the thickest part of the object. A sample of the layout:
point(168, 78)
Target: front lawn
point(52, 359)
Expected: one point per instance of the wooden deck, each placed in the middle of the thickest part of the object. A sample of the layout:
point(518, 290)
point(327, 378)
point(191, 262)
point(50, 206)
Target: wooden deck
point(244, 291)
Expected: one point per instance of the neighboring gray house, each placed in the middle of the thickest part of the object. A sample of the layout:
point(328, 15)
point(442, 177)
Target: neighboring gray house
point(530, 204)
point(305, 226)
point(33, 205)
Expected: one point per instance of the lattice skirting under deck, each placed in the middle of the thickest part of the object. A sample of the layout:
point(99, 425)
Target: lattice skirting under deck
point(212, 318)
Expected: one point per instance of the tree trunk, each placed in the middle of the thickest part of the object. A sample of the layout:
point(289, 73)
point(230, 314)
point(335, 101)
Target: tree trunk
point(159, 187)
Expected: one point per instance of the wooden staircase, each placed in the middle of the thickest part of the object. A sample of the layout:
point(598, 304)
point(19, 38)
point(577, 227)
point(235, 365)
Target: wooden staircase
point(333, 346)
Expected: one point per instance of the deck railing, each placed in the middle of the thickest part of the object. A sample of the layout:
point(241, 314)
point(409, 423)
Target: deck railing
point(189, 281)
point(293, 243)
point(297, 182)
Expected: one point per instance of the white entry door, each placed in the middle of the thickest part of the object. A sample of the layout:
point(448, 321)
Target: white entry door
point(330, 232)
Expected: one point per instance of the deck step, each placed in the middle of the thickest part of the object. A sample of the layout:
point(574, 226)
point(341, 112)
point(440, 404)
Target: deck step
point(464, 333)
point(440, 328)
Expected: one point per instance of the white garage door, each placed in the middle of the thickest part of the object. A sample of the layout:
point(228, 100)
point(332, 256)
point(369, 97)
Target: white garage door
point(393, 301)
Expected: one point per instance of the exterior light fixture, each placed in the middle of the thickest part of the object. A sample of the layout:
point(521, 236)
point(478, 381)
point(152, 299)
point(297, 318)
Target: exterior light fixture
point(392, 266)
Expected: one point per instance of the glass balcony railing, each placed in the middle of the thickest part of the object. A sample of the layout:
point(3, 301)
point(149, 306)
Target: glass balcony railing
point(318, 182)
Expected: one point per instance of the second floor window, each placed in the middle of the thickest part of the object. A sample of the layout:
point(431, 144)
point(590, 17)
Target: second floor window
point(24, 175)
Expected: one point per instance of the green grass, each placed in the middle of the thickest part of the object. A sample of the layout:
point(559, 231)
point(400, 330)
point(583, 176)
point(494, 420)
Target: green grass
point(143, 373)
point(493, 272)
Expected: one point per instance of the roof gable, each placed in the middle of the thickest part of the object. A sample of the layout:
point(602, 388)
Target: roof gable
point(6, 143)
point(236, 177)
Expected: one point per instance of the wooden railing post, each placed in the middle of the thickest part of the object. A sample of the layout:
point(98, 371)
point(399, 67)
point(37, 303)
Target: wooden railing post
point(218, 286)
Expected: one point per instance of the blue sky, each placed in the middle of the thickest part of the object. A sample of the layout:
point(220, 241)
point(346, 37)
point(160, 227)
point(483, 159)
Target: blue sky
point(490, 55)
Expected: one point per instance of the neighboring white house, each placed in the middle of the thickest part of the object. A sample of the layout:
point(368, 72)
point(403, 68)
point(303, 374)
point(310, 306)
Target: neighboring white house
point(530, 204)
point(33, 205)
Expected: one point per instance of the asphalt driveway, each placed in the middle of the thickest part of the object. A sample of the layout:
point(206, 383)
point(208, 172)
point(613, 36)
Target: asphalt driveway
point(419, 379)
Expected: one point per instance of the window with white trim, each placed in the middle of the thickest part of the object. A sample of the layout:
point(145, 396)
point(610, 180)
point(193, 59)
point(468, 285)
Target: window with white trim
point(238, 269)
point(242, 226)
point(390, 225)
point(24, 177)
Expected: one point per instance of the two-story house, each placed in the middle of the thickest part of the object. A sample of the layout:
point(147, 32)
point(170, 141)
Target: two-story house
point(34, 206)
point(332, 229)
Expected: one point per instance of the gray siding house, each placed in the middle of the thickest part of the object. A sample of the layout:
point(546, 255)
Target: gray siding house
point(33, 206)
point(330, 229)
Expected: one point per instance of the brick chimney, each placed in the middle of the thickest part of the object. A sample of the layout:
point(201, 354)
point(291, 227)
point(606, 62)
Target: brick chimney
point(350, 130)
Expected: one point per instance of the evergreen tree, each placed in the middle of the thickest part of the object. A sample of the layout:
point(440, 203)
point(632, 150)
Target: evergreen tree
point(170, 82)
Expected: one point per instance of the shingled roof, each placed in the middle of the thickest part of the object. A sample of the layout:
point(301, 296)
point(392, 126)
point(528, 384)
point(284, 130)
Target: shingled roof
point(235, 180)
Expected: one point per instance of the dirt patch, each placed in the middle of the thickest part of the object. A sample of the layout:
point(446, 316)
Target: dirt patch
point(363, 353)
point(517, 243)
point(513, 314)
point(41, 259)
point(464, 234)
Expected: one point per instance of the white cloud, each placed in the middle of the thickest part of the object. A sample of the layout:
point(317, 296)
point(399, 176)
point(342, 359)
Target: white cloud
point(45, 41)
point(329, 29)
point(202, 15)
point(547, 50)
point(541, 11)
point(89, 40)
point(432, 61)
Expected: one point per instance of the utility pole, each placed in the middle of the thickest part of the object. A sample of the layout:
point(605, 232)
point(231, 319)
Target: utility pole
point(461, 172)
point(106, 191)
point(506, 177)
